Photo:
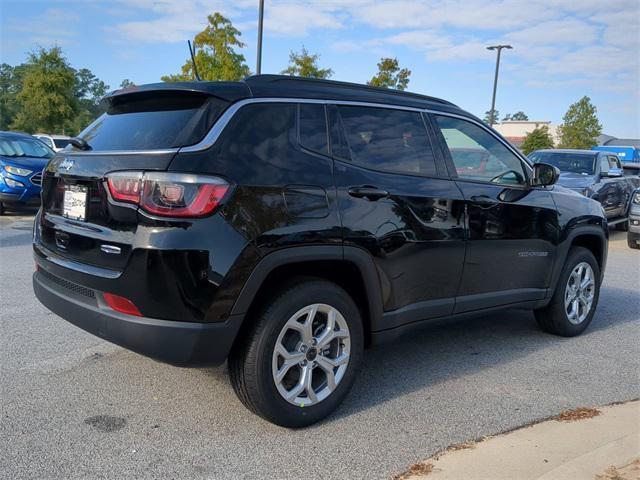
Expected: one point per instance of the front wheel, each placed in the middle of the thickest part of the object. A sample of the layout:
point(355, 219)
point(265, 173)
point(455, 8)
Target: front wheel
point(574, 302)
point(302, 355)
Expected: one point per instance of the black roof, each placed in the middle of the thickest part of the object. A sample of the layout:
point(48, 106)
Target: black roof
point(284, 86)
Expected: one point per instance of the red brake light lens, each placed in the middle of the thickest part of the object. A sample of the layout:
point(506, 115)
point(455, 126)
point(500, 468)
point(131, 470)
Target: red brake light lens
point(125, 188)
point(168, 194)
point(121, 304)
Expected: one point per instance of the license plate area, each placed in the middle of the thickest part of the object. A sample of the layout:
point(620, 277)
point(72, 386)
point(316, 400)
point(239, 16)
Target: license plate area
point(74, 205)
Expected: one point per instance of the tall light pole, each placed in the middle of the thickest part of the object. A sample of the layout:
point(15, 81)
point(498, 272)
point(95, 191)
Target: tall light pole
point(260, 24)
point(495, 80)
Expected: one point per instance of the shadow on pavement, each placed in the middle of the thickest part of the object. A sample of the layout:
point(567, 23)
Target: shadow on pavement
point(464, 347)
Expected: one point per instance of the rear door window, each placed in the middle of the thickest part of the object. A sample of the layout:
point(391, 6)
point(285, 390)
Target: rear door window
point(148, 121)
point(312, 123)
point(389, 140)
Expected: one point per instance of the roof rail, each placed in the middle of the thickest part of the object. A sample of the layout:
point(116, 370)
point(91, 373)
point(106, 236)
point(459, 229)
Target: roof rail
point(270, 78)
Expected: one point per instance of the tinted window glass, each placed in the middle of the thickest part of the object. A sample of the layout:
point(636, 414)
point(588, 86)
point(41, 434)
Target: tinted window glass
point(583, 163)
point(478, 155)
point(339, 147)
point(313, 127)
point(164, 120)
point(385, 139)
point(264, 132)
point(60, 142)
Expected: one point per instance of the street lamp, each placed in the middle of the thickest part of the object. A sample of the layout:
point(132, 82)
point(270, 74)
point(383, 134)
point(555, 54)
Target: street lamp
point(260, 24)
point(495, 80)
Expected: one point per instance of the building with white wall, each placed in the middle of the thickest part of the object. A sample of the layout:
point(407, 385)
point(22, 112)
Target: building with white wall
point(516, 130)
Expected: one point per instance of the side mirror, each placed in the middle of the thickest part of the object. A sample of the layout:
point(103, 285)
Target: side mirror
point(544, 175)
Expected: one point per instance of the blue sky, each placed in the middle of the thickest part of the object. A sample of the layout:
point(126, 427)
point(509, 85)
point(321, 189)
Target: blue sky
point(563, 49)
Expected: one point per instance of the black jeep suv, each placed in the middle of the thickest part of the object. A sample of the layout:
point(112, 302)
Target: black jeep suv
point(286, 224)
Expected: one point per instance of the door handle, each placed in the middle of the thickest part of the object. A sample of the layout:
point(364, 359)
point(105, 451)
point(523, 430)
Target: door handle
point(484, 200)
point(368, 192)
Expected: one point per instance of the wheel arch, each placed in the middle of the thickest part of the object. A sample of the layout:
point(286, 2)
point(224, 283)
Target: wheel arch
point(350, 267)
point(593, 238)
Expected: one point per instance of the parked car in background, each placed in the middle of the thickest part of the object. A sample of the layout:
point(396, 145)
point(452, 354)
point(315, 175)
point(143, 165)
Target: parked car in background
point(287, 223)
point(633, 235)
point(22, 159)
point(626, 154)
point(594, 174)
point(54, 142)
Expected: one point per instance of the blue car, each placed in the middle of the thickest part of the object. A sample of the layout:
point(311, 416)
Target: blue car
point(22, 159)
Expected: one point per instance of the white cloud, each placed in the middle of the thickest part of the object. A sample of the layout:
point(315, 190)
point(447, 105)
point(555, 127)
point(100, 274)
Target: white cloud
point(590, 42)
point(292, 19)
point(53, 27)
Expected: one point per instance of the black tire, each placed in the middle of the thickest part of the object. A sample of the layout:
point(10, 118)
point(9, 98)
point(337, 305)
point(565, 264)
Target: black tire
point(250, 362)
point(2, 208)
point(632, 240)
point(553, 318)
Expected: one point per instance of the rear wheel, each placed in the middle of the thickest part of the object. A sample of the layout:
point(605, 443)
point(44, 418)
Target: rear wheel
point(301, 357)
point(574, 302)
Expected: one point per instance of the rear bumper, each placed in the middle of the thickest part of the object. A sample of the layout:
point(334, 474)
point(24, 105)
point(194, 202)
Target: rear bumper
point(173, 342)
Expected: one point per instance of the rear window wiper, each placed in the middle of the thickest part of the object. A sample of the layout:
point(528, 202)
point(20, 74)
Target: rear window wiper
point(80, 143)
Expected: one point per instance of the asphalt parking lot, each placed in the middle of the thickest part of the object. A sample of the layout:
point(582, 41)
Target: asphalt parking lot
point(74, 406)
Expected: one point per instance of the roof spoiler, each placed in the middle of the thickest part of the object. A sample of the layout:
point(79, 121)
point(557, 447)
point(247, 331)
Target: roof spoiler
point(229, 91)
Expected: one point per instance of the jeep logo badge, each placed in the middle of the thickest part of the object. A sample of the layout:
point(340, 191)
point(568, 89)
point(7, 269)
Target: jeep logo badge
point(66, 164)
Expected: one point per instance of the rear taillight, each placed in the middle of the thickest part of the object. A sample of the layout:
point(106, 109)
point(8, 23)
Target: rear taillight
point(168, 194)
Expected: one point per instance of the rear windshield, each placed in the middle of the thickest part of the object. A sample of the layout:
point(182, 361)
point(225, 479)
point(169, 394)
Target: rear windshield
point(584, 164)
point(163, 120)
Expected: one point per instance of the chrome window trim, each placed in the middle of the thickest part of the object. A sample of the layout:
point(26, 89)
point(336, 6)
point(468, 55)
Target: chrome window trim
point(212, 136)
point(75, 153)
point(218, 127)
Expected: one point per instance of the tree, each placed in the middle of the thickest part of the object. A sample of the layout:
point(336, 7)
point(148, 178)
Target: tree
point(390, 75)
point(489, 119)
point(537, 139)
point(304, 64)
point(88, 92)
point(580, 126)
point(216, 57)
point(126, 83)
point(518, 116)
point(10, 85)
point(46, 100)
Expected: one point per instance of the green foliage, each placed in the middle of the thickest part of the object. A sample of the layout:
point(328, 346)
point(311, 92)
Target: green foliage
point(304, 64)
point(47, 99)
point(46, 94)
point(88, 92)
point(537, 139)
point(10, 85)
point(216, 57)
point(491, 119)
point(580, 126)
point(126, 83)
point(518, 116)
point(390, 75)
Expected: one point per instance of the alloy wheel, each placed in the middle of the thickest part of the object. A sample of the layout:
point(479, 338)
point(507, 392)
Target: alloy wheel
point(579, 293)
point(311, 354)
